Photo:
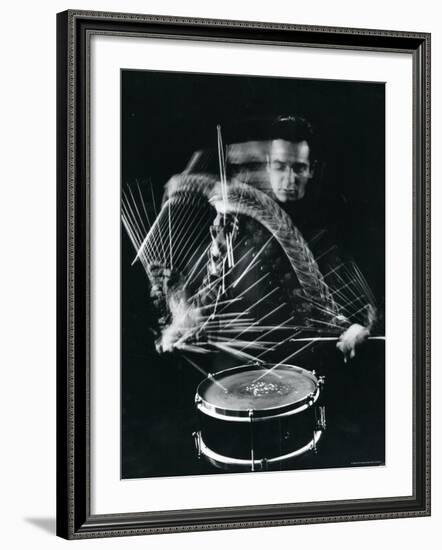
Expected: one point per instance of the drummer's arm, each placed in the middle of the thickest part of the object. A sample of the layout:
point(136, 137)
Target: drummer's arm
point(220, 231)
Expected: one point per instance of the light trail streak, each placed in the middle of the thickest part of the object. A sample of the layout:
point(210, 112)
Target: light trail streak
point(283, 361)
point(204, 373)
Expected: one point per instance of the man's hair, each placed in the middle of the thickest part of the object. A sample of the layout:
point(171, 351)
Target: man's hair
point(294, 129)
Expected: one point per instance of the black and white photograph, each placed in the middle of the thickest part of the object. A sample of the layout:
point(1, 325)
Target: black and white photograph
point(252, 274)
point(221, 263)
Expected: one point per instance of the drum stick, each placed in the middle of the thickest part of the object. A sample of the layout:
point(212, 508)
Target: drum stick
point(330, 339)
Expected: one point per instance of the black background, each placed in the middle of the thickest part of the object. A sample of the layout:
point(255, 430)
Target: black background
point(165, 118)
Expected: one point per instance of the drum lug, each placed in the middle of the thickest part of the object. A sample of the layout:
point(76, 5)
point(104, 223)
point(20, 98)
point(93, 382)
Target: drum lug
point(197, 441)
point(314, 447)
point(252, 443)
point(322, 422)
point(321, 380)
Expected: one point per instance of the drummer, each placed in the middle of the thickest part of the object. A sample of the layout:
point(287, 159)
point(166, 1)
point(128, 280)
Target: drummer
point(291, 165)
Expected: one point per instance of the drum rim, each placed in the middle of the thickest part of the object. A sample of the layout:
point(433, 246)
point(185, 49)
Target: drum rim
point(218, 459)
point(254, 414)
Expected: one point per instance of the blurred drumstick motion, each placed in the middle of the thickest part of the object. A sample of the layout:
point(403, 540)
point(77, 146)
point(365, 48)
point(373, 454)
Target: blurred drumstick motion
point(310, 341)
point(329, 339)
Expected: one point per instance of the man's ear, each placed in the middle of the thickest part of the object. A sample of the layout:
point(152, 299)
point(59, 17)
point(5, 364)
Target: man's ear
point(313, 167)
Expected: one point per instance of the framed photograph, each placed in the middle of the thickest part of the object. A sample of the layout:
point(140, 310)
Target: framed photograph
point(243, 274)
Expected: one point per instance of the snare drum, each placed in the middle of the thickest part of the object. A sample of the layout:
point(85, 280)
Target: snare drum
point(253, 416)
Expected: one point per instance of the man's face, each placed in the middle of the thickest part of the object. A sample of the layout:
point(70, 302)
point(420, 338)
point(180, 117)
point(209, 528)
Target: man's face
point(289, 169)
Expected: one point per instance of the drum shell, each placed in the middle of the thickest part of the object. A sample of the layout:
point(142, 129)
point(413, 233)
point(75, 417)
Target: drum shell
point(267, 437)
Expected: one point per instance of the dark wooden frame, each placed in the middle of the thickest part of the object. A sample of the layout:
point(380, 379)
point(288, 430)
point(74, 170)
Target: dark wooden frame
point(74, 519)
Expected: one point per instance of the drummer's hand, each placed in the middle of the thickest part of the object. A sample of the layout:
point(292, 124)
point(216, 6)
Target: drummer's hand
point(354, 335)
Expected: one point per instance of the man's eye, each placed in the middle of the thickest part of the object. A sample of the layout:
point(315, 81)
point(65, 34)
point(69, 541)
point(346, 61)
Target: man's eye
point(300, 168)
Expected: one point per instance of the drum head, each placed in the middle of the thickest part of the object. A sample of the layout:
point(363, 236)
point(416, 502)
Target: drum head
point(265, 390)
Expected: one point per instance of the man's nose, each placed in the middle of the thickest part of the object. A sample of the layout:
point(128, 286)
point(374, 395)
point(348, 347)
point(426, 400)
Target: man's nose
point(291, 176)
